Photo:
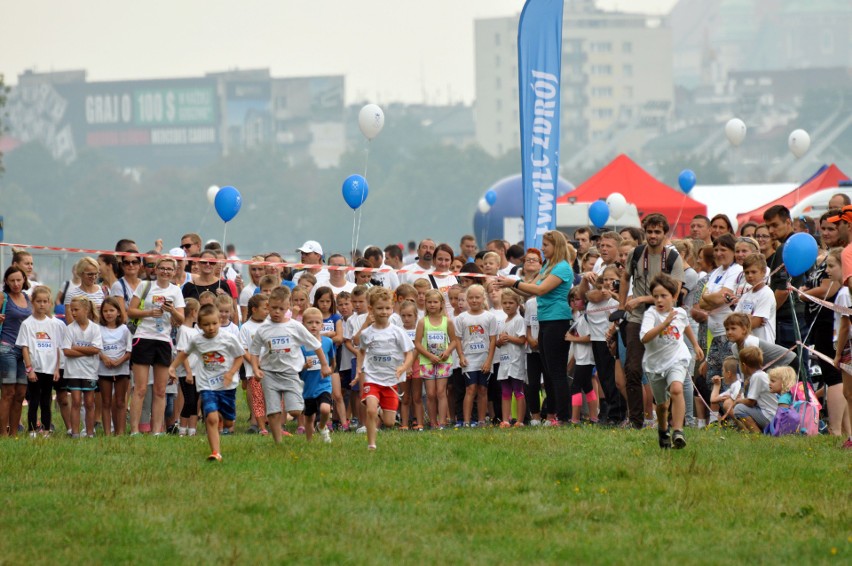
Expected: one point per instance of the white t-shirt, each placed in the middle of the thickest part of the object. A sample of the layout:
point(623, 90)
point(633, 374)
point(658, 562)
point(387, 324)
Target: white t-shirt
point(669, 347)
point(733, 390)
point(760, 303)
point(160, 327)
point(216, 356)
point(721, 278)
point(44, 339)
point(583, 353)
point(117, 342)
point(185, 334)
point(321, 275)
point(841, 300)
point(246, 294)
point(123, 289)
point(247, 332)
point(410, 278)
point(351, 326)
point(82, 367)
point(443, 285)
point(758, 390)
point(384, 351)
point(511, 356)
point(531, 320)
point(279, 345)
point(475, 331)
point(598, 318)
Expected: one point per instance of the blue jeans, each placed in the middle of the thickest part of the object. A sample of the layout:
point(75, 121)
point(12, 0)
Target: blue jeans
point(12, 370)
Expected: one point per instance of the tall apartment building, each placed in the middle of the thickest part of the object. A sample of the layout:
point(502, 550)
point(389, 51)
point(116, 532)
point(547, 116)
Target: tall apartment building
point(614, 67)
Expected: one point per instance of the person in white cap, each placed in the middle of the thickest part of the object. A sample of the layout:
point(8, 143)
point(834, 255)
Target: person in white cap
point(181, 276)
point(311, 252)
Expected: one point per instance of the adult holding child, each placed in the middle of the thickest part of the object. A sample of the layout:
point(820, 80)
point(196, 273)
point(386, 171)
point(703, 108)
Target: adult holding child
point(554, 318)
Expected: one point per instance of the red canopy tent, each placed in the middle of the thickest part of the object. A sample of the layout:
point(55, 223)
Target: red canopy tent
point(623, 175)
point(825, 177)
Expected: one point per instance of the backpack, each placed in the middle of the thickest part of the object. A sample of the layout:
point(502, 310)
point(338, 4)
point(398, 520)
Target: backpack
point(671, 256)
point(800, 418)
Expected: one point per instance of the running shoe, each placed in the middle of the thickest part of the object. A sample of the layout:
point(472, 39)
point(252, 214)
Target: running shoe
point(678, 441)
point(214, 457)
point(665, 439)
point(326, 436)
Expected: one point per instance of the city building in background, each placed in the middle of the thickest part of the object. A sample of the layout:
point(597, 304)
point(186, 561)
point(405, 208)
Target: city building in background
point(616, 69)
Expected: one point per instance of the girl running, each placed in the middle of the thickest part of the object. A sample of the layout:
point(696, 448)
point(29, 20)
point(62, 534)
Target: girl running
point(412, 387)
point(332, 327)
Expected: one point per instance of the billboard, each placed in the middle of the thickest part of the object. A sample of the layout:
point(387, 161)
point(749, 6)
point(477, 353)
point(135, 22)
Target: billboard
point(138, 123)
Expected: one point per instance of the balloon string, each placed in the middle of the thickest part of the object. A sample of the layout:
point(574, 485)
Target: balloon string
point(679, 212)
point(352, 249)
point(356, 234)
point(367, 158)
point(203, 218)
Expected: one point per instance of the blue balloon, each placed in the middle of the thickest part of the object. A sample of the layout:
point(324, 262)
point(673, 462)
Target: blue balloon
point(599, 213)
point(490, 197)
point(686, 180)
point(228, 202)
point(355, 191)
point(800, 253)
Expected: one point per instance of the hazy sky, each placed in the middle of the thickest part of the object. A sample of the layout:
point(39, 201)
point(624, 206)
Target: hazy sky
point(389, 50)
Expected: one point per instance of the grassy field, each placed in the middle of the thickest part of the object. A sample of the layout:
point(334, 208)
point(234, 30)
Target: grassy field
point(493, 496)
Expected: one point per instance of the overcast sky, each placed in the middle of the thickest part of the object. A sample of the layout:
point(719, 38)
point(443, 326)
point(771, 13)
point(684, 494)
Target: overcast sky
point(389, 50)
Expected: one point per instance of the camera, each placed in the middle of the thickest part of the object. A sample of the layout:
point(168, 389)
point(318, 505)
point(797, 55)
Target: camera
point(616, 285)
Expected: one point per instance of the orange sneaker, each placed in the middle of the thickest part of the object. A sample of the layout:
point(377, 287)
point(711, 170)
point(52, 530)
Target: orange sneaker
point(505, 424)
point(214, 457)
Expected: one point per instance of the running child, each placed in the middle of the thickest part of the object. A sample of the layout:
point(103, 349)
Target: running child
point(350, 345)
point(384, 357)
point(666, 358)
point(435, 341)
point(317, 389)
point(40, 340)
point(411, 387)
point(511, 375)
point(114, 367)
point(477, 331)
point(276, 360)
point(332, 328)
point(220, 356)
point(82, 344)
point(188, 423)
point(256, 312)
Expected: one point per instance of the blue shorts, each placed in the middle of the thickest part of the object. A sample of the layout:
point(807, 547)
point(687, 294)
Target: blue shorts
point(12, 370)
point(77, 384)
point(222, 402)
point(475, 378)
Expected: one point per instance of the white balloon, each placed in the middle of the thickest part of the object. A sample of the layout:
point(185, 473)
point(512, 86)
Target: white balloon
point(211, 194)
point(483, 206)
point(371, 120)
point(735, 130)
point(799, 142)
point(617, 205)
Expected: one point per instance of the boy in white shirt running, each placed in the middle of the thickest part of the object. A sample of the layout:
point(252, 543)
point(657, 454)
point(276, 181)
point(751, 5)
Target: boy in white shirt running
point(276, 360)
point(220, 356)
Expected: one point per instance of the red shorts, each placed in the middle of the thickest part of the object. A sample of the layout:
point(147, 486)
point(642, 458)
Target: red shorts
point(388, 397)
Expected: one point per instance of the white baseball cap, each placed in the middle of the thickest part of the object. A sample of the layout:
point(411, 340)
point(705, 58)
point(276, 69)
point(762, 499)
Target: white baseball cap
point(311, 247)
point(177, 252)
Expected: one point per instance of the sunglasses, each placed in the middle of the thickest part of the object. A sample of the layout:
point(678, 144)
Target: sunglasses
point(130, 262)
point(185, 246)
point(206, 262)
point(150, 265)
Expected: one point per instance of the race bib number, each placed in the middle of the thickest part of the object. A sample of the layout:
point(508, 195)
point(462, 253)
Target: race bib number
point(111, 348)
point(43, 341)
point(312, 361)
point(218, 380)
point(476, 347)
point(328, 326)
point(382, 360)
point(435, 339)
point(504, 358)
point(280, 344)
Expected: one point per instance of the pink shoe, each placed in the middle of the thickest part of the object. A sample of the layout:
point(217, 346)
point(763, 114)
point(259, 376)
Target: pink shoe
point(300, 430)
point(285, 433)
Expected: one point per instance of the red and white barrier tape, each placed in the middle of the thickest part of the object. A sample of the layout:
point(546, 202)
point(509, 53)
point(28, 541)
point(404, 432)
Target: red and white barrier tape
point(825, 304)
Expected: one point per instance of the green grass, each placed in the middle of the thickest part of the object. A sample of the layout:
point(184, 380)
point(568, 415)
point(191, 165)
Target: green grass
point(588, 496)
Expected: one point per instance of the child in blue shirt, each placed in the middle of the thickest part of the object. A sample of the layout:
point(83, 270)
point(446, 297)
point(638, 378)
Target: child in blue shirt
point(317, 389)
